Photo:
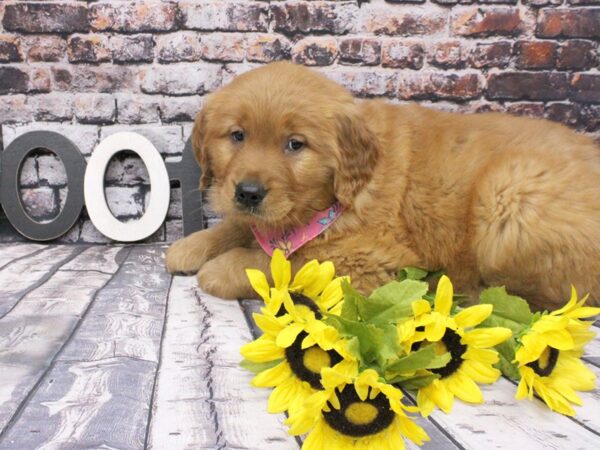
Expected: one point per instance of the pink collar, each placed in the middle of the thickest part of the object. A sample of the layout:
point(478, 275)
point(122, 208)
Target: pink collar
point(291, 240)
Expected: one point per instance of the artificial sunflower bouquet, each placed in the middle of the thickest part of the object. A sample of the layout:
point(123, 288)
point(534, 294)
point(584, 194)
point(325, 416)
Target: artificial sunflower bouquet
point(353, 371)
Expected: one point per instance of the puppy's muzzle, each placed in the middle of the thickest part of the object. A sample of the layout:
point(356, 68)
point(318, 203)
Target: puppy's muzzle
point(249, 194)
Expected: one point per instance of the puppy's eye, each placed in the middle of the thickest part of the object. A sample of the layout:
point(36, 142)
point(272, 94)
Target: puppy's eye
point(237, 136)
point(294, 145)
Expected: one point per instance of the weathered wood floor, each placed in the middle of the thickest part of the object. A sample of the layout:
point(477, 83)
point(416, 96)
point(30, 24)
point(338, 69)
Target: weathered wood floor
point(101, 348)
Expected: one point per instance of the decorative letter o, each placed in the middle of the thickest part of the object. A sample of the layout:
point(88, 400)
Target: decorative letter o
point(12, 159)
point(95, 199)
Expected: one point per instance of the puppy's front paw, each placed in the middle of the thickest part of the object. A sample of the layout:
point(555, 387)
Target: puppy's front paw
point(219, 280)
point(189, 254)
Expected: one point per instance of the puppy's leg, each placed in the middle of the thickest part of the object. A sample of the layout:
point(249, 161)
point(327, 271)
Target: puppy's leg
point(225, 275)
point(190, 253)
point(537, 228)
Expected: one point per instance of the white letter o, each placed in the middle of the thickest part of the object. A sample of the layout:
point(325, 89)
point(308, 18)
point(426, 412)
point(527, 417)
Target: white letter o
point(93, 188)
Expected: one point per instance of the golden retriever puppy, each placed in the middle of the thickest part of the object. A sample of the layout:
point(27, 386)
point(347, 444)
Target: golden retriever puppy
point(490, 198)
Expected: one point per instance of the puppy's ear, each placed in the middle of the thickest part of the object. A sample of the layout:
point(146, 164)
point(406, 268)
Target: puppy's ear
point(358, 154)
point(199, 146)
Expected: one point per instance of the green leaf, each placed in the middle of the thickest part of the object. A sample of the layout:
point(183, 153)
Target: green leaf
point(414, 382)
point(507, 306)
point(506, 351)
point(391, 302)
point(351, 299)
point(369, 342)
point(411, 273)
point(258, 367)
point(424, 358)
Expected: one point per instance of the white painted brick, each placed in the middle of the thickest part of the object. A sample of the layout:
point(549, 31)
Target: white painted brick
point(51, 170)
point(72, 235)
point(83, 136)
point(15, 109)
point(53, 106)
point(130, 171)
point(166, 138)
point(38, 202)
point(180, 79)
point(137, 108)
point(176, 109)
point(233, 70)
point(28, 175)
point(124, 201)
point(95, 108)
point(89, 233)
point(175, 207)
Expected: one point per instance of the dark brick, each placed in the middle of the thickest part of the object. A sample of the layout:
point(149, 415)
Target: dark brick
point(88, 48)
point(403, 1)
point(45, 48)
point(527, 86)
point(333, 18)
point(585, 88)
point(494, 2)
point(84, 78)
point(134, 48)
point(526, 109)
point(577, 55)
point(539, 3)
point(572, 22)
point(30, 17)
point(402, 54)
point(590, 116)
point(423, 86)
point(567, 113)
point(447, 54)
point(13, 80)
point(364, 51)
point(128, 17)
point(315, 51)
point(501, 21)
point(584, 2)
point(267, 48)
point(495, 54)
point(9, 49)
point(402, 22)
point(535, 55)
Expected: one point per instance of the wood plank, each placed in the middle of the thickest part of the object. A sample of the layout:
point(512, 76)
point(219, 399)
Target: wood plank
point(12, 252)
point(127, 317)
point(592, 349)
point(34, 331)
point(26, 274)
point(504, 422)
point(203, 398)
point(91, 399)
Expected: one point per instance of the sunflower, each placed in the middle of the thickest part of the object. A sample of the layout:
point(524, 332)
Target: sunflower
point(298, 357)
point(314, 286)
point(472, 357)
point(355, 412)
point(549, 356)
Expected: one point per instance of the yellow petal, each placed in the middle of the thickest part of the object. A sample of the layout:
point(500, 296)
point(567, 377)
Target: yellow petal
point(289, 334)
point(464, 388)
point(269, 324)
point(486, 337)
point(483, 355)
point(412, 431)
point(262, 350)
point(474, 315)
point(280, 269)
point(306, 275)
point(324, 276)
point(281, 396)
point(443, 296)
point(435, 330)
point(259, 283)
point(424, 402)
point(273, 376)
point(420, 307)
point(479, 372)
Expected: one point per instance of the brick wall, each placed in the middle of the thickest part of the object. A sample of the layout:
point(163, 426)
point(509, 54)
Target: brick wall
point(90, 68)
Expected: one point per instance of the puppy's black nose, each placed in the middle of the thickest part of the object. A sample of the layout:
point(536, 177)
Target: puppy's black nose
point(250, 193)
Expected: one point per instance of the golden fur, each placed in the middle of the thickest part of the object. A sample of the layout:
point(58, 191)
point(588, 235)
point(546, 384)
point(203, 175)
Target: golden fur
point(493, 199)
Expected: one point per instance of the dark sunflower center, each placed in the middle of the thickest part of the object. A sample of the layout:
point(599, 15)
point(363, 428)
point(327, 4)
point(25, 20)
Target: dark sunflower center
point(307, 363)
point(546, 362)
point(357, 418)
point(451, 342)
point(301, 299)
